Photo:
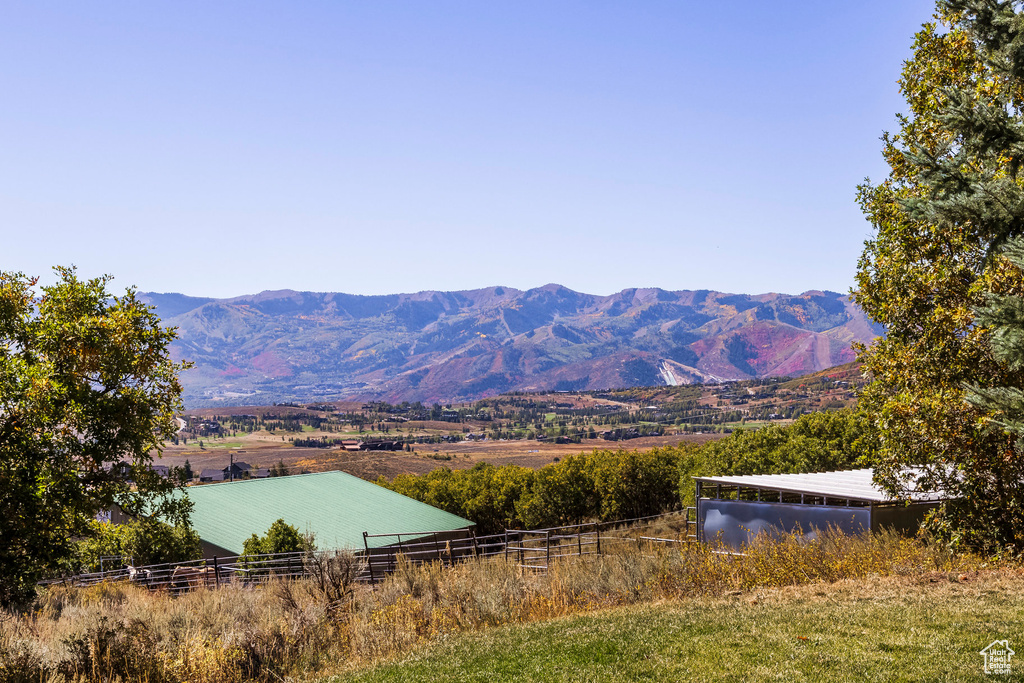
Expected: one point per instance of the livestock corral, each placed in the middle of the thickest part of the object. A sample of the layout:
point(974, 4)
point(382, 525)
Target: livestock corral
point(534, 550)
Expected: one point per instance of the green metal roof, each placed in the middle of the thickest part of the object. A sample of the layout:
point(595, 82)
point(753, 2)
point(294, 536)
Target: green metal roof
point(335, 506)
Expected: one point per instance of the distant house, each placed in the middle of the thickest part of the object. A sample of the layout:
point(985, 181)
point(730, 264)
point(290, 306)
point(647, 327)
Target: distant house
point(237, 470)
point(212, 475)
point(124, 470)
point(336, 507)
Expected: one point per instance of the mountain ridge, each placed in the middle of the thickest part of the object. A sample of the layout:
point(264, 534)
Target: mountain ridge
point(461, 345)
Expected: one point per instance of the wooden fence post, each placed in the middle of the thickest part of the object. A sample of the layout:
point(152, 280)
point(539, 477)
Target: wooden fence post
point(369, 559)
point(392, 557)
point(547, 545)
point(216, 572)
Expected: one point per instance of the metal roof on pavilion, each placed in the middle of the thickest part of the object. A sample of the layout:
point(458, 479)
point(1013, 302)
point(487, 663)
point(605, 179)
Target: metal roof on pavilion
point(846, 484)
point(335, 506)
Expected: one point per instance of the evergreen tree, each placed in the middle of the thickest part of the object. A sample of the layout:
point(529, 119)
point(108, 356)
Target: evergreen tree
point(1004, 318)
point(952, 201)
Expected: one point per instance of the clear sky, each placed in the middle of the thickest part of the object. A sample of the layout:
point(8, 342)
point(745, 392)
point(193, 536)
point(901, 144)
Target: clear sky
point(221, 148)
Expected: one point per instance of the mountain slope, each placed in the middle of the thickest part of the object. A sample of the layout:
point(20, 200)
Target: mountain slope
point(444, 346)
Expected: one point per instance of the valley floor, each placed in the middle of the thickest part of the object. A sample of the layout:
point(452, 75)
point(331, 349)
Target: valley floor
point(262, 450)
point(921, 628)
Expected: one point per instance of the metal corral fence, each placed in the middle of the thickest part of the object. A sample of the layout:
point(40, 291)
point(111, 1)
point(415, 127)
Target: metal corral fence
point(178, 577)
point(533, 549)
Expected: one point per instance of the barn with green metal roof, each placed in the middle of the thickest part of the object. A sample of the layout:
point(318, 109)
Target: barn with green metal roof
point(337, 508)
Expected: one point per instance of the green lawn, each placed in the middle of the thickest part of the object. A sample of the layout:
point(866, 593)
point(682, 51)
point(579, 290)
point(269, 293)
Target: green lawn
point(887, 630)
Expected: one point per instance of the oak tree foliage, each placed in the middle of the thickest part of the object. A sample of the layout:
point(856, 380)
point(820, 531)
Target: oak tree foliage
point(88, 392)
point(141, 541)
point(608, 485)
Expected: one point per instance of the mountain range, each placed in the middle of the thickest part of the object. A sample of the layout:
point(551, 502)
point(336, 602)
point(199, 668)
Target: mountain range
point(455, 346)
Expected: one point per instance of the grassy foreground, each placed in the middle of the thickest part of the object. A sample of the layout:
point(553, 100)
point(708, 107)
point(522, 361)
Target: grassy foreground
point(926, 628)
point(873, 606)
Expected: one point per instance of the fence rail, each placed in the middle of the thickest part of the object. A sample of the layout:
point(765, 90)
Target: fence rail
point(533, 549)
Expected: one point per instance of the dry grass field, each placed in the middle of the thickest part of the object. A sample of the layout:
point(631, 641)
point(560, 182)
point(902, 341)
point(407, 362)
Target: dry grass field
point(874, 608)
point(264, 450)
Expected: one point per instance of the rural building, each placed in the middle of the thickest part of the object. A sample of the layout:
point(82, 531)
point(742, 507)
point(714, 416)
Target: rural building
point(381, 445)
point(336, 507)
point(124, 470)
point(735, 509)
point(210, 475)
point(236, 470)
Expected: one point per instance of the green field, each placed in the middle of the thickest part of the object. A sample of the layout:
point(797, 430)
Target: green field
point(881, 630)
point(751, 424)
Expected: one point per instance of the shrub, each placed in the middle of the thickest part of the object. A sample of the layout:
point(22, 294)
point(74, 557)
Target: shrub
point(141, 541)
point(281, 537)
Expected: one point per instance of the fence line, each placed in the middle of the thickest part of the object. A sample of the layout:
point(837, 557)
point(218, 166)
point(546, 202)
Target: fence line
point(533, 549)
point(178, 577)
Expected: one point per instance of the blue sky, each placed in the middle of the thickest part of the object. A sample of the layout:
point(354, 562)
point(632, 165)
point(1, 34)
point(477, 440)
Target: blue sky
point(225, 148)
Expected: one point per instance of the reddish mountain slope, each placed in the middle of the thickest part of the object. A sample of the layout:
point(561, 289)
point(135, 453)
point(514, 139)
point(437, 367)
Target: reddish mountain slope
point(444, 346)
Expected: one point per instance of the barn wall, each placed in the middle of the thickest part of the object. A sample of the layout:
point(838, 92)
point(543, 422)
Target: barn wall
point(905, 519)
point(739, 521)
point(449, 545)
point(210, 550)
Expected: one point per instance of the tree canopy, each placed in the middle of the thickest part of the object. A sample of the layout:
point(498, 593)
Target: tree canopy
point(952, 201)
point(281, 537)
point(618, 484)
point(88, 392)
point(141, 541)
